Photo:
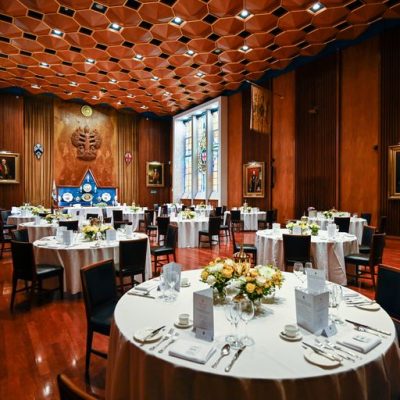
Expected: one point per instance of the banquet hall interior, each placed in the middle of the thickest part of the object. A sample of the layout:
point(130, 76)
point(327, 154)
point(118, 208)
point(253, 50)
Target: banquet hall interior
point(208, 133)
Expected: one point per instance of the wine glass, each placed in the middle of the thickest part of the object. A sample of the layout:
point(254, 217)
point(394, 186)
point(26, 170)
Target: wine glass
point(298, 271)
point(231, 291)
point(163, 287)
point(232, 314)
point(246, 315)
point(171, 279)
point(335, 299)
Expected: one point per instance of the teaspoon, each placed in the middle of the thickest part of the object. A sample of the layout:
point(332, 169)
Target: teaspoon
point(224, 352)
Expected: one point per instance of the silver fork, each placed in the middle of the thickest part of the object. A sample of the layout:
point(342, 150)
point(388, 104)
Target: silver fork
point(164, 339)
point(334, 349)
point(323, 346)
point(340, 348)
point(173, 340)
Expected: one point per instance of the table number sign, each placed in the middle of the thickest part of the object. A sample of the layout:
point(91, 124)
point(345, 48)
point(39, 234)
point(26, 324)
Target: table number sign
point(315, 280)
point(203, 314)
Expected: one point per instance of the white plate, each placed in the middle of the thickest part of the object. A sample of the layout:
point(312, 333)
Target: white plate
point(180, 326)
point(87, 197)
point(106, 196)
point(369, 307)
point(68, 197)
point(185, 285)
point(141, 334)
point(296, 338)
point(319, 360)
point(87, 187)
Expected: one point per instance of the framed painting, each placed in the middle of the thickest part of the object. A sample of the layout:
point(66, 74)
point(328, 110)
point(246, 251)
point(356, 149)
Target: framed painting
point(253, 179)
point(260, 115)
point(394, 172)
point(154, 174)
point(9, 167)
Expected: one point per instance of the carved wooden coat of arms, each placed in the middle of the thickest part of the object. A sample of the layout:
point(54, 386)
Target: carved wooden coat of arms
point(87, 143)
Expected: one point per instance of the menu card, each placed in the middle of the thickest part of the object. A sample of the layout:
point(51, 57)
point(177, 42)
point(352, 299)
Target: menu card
point(203, 314)
point(173, 266)
point(111, 235)
point(315, 280)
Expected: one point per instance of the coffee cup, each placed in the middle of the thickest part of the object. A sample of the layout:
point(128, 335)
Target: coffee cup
point(184, 281)
point(291, 330)
point(183, 319)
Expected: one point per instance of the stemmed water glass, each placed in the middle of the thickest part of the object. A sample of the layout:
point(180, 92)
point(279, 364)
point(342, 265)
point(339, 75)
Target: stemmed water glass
point(298, 271)
point(232, 314)
point(171, 278)
point(246, 314)
point(335, 299)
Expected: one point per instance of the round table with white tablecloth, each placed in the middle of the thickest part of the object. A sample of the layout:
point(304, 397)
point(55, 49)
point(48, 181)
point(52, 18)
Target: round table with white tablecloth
point(20, 219)
point(188, 230)
point(72, 258)
point(327, 254)
point(38, 231)
point(272, 368)
point(134, 217)
point(250, 219)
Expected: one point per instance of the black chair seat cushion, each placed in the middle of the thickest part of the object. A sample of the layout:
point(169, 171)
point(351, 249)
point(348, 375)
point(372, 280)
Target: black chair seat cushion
point(247, 248)
point(302, 260)
point(364, 249)
point(9, 226)
point(161, 250)
point(47, 270)
point(128, 271)
point(204, 233)
point(360, 259)
point(224, 227)
point(151, 227)
point(102, 317)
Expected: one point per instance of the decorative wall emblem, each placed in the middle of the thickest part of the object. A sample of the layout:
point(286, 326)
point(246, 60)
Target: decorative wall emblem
point(87, 143)
point(38, 150)
point(86, 110)
point(128, 157)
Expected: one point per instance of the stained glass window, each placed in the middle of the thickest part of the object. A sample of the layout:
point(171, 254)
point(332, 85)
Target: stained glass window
point(215, 149)
point(188, 157)
point(201, 153)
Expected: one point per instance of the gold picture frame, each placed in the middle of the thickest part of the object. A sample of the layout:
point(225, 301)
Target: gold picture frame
point(254, 179)
point(394, 172)
point(9, 167)
point(154, 174)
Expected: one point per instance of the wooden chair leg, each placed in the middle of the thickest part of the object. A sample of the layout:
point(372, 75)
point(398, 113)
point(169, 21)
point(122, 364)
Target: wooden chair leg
point(14, 288)
point(2, 249)
point(89, 339)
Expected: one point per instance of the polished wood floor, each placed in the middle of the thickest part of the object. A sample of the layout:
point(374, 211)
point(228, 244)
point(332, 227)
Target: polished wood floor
point(39, 342)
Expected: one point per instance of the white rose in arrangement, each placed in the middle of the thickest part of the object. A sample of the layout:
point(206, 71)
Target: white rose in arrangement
point(260, 281)
point(211, 280)
point(229, 262)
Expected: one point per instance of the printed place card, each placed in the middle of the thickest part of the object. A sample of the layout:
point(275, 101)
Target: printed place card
point(203, 314)
point(315, 280)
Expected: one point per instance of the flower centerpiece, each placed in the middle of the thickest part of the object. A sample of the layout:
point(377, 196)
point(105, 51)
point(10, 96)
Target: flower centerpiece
point(314, 229)
point(202, 205)
point(188, 214)
point(95, 229)
point(36, 210)
point(135, 207)
point(50, 218)
point(101, 204)
point(302, 224)
point(328, 214)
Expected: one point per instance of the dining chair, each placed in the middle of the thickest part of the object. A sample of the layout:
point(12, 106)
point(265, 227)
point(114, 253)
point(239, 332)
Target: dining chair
point(296, 248)
point(4, 217)
point(382, 224)
point(367, 217)
point(71, 225)
point(20, 235)
point(90, 216)
point(150, 229)
point(119, 224)
point(343, 223)
point(167, 249)
point(162, 225)
point(218, 212)
point(26, 269)
point(100, 298)
point(268, 221)
point(132, 261)
point(236, 220)
point(107, 220)
point(69, 391)
point(248, 248)
point(365, 246)
point(164, 210)
point(368, 261)
point(225, 228)
point(214, 224)
point(5, 238)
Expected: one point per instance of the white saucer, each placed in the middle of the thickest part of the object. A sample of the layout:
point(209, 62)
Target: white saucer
point(296, 338)
point(369, 307)
point(141, 334)
point(185, 285)
point(319, 360)
point(180, 326)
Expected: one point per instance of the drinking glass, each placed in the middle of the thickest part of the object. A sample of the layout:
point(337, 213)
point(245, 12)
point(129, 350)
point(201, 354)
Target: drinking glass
point(298, 271)
point(335, 299)
point(231, 291)
point(171, 278)
point(163, 287)
point(246, 315)
point(232, 314)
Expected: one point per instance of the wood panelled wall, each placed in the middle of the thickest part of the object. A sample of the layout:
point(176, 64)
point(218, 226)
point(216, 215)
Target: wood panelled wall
point(390, 121)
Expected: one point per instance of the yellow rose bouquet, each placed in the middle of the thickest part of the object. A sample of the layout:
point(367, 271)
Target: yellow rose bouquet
point(90, 232)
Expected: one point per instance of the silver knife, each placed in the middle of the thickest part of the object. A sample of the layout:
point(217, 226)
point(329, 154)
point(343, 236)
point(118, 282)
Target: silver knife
point(141, 295)
point(368, 327)
point(152, 333)
point(235, 357)
point(323, 353)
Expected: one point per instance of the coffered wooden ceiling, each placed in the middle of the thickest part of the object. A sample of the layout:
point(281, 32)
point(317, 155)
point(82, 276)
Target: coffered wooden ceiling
point(73, 48)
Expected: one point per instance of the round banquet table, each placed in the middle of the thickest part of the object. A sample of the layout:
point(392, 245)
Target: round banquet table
point(188, 230)
point(38, 231)
point(20, 219)
point(250, 219)
point(326, 254)
point(134, 217)
point(273, 368)
point(72, 258)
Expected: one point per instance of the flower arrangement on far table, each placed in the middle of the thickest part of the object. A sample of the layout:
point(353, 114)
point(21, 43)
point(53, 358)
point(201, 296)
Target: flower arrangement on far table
point(329, 213)
point(101, 204)
point(91, 231)
point(57, 216)
point(188, 214)
point(36, 210)
point(135, 208)
point(202, 205)
point(306, 227)
point(252, 282)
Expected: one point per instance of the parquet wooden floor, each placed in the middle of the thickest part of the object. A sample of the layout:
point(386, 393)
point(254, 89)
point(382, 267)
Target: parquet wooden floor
point(40, 342)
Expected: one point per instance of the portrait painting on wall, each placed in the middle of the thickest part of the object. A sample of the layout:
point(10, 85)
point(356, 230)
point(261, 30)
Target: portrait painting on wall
point(154, 174)
point(260, 114)
point(253, 179)
point(9, 167)
point(394, 172)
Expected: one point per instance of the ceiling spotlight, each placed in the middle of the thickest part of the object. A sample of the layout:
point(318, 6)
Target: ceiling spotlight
point(166, 94)
point(59, 74)
point(95, 98)
point(73, 84)
point(138, 57)
point(244, 48)
point(119, 102)
point(68, 93)
point(113, 81)
point(115, 27)
point(44, 65)
point(130, 95)
point(244, 14)
point(35, 86)
point(90, 61)
point(144, 107)
point(57, 32)
point(177, 21)
point(200, 74)
point(316, 7)
point(217, 51)
point(155, 78)
point(190, 53)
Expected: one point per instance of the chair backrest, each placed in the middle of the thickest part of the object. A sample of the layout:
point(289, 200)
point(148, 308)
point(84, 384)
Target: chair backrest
point(296, 248)
point(148, 217)
point(69, 391)
point(164, 210)
point(89, 216)
point(213, 225)
point(71, 225)
point(270, 216)
point(235, 215)
point(382, 224)
point(132, 255)
point(118, 224)
point(98, 285)
point(4, 215)
point(343, 223)
point(192, 208)
point(20, 235)
point(183, 207)
point(117, 215)
point(367, 216)
point(388, 290)
point(377, 246)
point(43, 214)
point(275, 217)
point(2, 238)
point(107, 220)
point(218, 211)
point(368, 231)
point(162, 223)
point(228, 220)
point(104, 212)
point(172, 236)
point(23, 260)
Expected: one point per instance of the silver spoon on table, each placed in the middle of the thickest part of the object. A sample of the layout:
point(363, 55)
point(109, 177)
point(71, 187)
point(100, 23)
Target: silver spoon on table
point(224, 352)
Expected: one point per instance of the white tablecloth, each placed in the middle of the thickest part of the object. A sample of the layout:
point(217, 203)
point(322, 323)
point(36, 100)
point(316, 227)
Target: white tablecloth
point(188, 230)
point(74, 257)
point(271, 369)
point(326, 254)
point(250, 219)
point(133, 217)
point(38, 231)
point(19, 219)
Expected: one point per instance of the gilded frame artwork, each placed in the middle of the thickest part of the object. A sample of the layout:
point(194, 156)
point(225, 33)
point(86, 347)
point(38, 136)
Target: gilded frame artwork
point(254, 179)
point(9, 167)
point(154, 174)
point(394, 172)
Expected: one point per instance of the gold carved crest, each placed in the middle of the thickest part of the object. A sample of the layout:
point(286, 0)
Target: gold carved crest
point(87, 142)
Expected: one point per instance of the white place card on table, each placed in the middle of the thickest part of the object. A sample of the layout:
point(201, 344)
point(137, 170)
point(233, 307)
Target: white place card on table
point(198, 352)
point(173, 266)
point(203, 314)
point(315, 280)
point(111, 235)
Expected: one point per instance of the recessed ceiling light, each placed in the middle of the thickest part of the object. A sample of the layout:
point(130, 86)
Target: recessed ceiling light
point(35, 86)
point(44, 65)
point(57, 32)
point(113, 81)
point(217, 51)
point(90, 61)
point(177, 21)
point(94, 97)
point(68, 93)
point(130, 95)
point(155, 78)
point(316, 7)
point(115, 27)
point(244, 48)
point(59, 74)
point(138, 57)
point(200, 74)
point(73, 84)
point(244, 14)
point(166, 94)
point(99, 6)
point(144, 107)
point(190, 53)
point(119, 102)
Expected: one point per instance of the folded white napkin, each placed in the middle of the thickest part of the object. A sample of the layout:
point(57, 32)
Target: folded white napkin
point(359, 341)
point(146, 286)
point(195, 351)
